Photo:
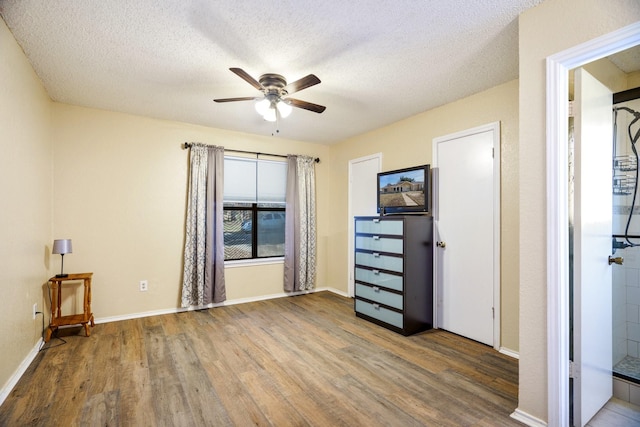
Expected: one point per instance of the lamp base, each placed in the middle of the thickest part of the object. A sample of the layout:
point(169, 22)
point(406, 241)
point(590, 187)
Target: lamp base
point(61, 275)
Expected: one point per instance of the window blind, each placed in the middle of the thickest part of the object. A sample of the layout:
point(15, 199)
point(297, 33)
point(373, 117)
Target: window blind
point(254, 180)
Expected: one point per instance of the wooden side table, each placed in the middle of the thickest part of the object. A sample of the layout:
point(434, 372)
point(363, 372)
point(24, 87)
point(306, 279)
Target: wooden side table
point(57, 319)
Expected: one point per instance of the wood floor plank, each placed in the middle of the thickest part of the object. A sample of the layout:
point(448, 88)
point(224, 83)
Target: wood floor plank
point(205, 405)
point(74, 382)
point(170, 406)
point(298, 361)
point(132, 343)
point(242, 410)
point(136, 396)
point(101, 409)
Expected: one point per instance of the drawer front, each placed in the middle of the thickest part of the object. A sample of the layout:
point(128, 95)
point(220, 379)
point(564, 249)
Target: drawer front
point(377, 226)
point(380, 261)
point(382, 244)
point(376, 277)
point(377, 312)
point(379, 295)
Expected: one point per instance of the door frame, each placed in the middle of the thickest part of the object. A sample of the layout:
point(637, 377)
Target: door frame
point(558, 67)
point(350, 231)
point(490, 127)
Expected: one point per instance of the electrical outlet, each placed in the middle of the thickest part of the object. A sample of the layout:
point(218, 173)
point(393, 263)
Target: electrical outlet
point(35, 310)
point(144, 286)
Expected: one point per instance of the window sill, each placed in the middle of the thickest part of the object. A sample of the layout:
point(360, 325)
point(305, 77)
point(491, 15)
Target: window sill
point(252, 262)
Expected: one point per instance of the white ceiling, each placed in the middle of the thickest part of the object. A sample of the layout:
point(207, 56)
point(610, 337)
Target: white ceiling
point(380, 61)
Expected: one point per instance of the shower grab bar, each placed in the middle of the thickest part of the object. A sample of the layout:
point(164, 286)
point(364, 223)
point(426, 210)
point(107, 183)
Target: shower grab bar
point(623, 236)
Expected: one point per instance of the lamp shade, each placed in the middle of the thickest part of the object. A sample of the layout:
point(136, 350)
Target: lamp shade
point(62, 246)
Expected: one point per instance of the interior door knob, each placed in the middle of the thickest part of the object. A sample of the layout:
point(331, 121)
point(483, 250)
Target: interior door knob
point(618, 260)
point(441, 244)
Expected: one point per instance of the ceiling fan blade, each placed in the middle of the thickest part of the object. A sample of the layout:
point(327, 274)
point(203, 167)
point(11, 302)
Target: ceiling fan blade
point(246, 98)
point(246, 77)
point(305, 105)
point(303, 83)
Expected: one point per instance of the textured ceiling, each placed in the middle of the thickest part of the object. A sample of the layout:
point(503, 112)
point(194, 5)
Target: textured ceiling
point(380, 61)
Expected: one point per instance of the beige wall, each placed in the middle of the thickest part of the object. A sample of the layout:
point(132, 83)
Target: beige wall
point(408, 143)
point(120, 186)
point(25, 216)
point(549, 28)
point(607, 73)
point(633, 80)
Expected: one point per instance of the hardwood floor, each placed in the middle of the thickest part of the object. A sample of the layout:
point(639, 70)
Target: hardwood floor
point(298, 361)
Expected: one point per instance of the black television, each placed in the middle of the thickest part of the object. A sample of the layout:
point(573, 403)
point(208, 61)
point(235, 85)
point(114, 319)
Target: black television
point(404, 190)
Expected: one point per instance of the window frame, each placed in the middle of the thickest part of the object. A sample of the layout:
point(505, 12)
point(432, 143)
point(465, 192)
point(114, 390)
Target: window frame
point(255, 209)
point(269, 186)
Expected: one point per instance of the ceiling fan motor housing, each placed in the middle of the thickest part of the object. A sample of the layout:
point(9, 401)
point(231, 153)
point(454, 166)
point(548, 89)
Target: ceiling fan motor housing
point(273, 84)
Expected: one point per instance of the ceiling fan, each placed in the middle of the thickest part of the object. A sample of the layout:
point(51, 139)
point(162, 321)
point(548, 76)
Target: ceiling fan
point(275, 89)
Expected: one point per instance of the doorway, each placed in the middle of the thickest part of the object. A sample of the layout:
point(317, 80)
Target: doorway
point(590, 227)
point(558, 67)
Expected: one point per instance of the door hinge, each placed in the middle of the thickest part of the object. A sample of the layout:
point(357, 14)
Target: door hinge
point(493, 312)
point(573, 369)
point(571, 108)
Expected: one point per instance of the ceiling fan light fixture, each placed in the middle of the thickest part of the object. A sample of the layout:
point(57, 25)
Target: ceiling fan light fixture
point(270, 114)
point(283, 108)
point(262, 106)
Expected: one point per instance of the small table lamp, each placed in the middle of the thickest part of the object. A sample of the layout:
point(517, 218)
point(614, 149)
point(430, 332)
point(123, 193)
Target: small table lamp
point(62, 246)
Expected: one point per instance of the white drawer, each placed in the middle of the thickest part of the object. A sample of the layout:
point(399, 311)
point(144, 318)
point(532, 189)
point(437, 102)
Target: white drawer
point(378, 226)
point(376, 277)
point(377, 260)
point(377, 294)
point(378, 312)
point(382, 244)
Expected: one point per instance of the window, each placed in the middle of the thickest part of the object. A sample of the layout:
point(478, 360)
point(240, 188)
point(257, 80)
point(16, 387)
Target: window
point(254, 208)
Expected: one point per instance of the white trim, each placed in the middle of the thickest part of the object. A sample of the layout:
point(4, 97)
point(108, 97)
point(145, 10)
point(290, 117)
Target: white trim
point(495, 128)
point(497, 236)
point(350, 231)
point(221, 304)
point(22, 368)
point(509, 352)
point(558, 66)
point(527, 419)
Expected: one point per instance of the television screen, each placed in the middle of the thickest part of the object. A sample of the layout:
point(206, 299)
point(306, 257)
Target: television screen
point(404, 190)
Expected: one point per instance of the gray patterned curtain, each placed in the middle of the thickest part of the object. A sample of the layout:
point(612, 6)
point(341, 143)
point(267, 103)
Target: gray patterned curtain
point(203, 278)
point(300, 226)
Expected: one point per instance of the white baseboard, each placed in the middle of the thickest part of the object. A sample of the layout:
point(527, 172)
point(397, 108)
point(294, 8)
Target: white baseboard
point(222, 304)
point(528, 419)
point(509, 352)
point(13, 380)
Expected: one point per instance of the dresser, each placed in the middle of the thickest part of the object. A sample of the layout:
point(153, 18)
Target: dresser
point(394, 271)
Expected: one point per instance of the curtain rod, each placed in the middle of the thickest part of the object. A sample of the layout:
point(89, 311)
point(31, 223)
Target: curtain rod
point(188, 145)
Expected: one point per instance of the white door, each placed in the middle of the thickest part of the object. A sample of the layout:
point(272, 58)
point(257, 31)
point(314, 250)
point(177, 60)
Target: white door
point(362, 198)
point(467, 231)
point(592, 343)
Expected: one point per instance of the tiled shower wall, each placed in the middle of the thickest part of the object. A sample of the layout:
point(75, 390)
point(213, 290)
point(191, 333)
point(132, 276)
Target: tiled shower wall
point(626, 277)
point(626, 305)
